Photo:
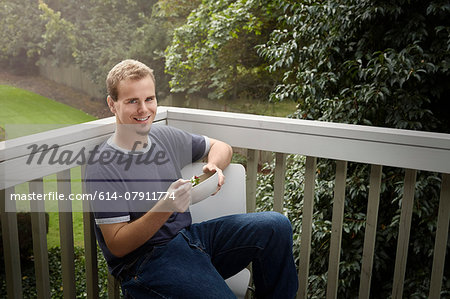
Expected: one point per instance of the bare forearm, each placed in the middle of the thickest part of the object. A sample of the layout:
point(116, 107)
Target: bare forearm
point(130, 236)
point(123, 238)
point(220, 154)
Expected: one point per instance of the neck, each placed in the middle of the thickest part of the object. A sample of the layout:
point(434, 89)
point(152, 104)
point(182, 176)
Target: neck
point(130, 141)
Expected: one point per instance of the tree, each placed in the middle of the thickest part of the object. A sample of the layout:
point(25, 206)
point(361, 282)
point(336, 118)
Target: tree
point(382, 63)
point(92, 34)
point(20, 35)
point(97, 34)
point(174, 12)
point(213, 52)
point(60, 42)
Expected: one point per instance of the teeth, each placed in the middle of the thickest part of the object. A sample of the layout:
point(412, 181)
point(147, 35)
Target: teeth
point(141, 119)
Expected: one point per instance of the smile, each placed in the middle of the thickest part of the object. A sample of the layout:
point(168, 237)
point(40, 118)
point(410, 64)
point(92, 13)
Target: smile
point(142, 119)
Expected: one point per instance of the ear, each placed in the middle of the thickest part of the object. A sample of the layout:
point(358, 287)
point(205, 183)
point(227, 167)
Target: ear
point(111, 103)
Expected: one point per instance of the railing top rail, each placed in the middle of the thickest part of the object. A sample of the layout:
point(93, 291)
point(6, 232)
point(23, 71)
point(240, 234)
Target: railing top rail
point(17, 147)
point(391, 147)
point(341, 130)
point(374, 145)
point(8, 149)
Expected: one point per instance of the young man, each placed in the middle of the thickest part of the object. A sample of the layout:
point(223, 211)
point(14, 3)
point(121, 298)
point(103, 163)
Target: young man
point(143, 223)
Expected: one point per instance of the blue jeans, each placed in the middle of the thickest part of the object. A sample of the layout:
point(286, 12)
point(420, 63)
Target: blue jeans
point(195, 263)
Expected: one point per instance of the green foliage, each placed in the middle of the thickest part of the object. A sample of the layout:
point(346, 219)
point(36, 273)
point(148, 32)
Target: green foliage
point(111, 28)
point(239, 159)
point(381, 64)
point(20, 35)
point(421, 239)
point(108, 32)
point(80, 273)
point(25, 239)
point(213, 52)
point(56, 286)
point(60, 42)
point(174, 12)
point(93, 34)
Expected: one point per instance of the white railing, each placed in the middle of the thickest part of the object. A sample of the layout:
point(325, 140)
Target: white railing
point(344, 143)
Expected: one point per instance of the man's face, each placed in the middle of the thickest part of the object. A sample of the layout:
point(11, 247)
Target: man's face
point(136, 104)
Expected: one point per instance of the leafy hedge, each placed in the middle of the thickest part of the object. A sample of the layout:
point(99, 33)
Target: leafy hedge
point(25, 237)
point(56, 288)
point(379, 63)
point(382, 63)
point(418, 273)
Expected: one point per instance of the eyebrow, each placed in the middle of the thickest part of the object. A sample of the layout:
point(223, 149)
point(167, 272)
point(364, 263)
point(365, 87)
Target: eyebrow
point(131, 99)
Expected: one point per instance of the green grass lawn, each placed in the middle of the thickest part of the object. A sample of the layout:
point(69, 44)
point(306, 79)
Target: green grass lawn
point(22, 113)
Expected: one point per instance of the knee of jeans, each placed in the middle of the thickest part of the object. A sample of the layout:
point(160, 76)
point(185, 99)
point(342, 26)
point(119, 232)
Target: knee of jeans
point(279, 223)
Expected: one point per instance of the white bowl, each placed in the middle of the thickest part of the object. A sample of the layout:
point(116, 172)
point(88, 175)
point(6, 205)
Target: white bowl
point(206, 186)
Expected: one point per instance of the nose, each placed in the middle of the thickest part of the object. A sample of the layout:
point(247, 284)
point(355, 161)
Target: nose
point(142, 107)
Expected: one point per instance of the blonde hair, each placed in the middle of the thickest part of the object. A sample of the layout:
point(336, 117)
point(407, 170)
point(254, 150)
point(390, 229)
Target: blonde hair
point(126, 69)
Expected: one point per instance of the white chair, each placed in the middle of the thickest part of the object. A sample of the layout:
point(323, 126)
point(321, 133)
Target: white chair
point(231, 199)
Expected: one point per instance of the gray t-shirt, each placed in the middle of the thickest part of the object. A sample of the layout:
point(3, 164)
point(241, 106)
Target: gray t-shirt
point(127, 184)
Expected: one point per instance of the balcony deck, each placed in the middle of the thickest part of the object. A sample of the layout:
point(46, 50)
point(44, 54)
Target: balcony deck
point(344, 143)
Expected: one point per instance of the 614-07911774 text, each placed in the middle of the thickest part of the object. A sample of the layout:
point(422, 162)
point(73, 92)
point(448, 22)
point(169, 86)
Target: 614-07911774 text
point(134, 195)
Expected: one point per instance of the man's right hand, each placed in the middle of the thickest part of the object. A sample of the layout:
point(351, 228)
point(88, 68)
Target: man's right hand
point(122, 238)
point(177, 199)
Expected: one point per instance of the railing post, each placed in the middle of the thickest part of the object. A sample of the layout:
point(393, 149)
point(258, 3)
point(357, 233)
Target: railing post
point(39, 231)
point(90, 244)
point(440, 244)
point(252, 171)
point(11, 252)
point(280, 174)
point(66, 235)
point(371, 231)
point(113, 287)
point(336, 229)
point(403, 233)
point(307, 217)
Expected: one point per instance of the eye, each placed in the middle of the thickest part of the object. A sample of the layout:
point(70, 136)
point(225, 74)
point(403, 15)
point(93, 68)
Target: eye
point(150, 99)
point(132, 101)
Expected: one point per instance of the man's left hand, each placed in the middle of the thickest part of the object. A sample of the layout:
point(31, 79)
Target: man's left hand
point(213, 168)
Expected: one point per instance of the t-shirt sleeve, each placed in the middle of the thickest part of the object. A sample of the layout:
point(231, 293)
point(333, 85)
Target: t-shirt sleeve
point(200, 147)
point(106, 190)
point(186, 147)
